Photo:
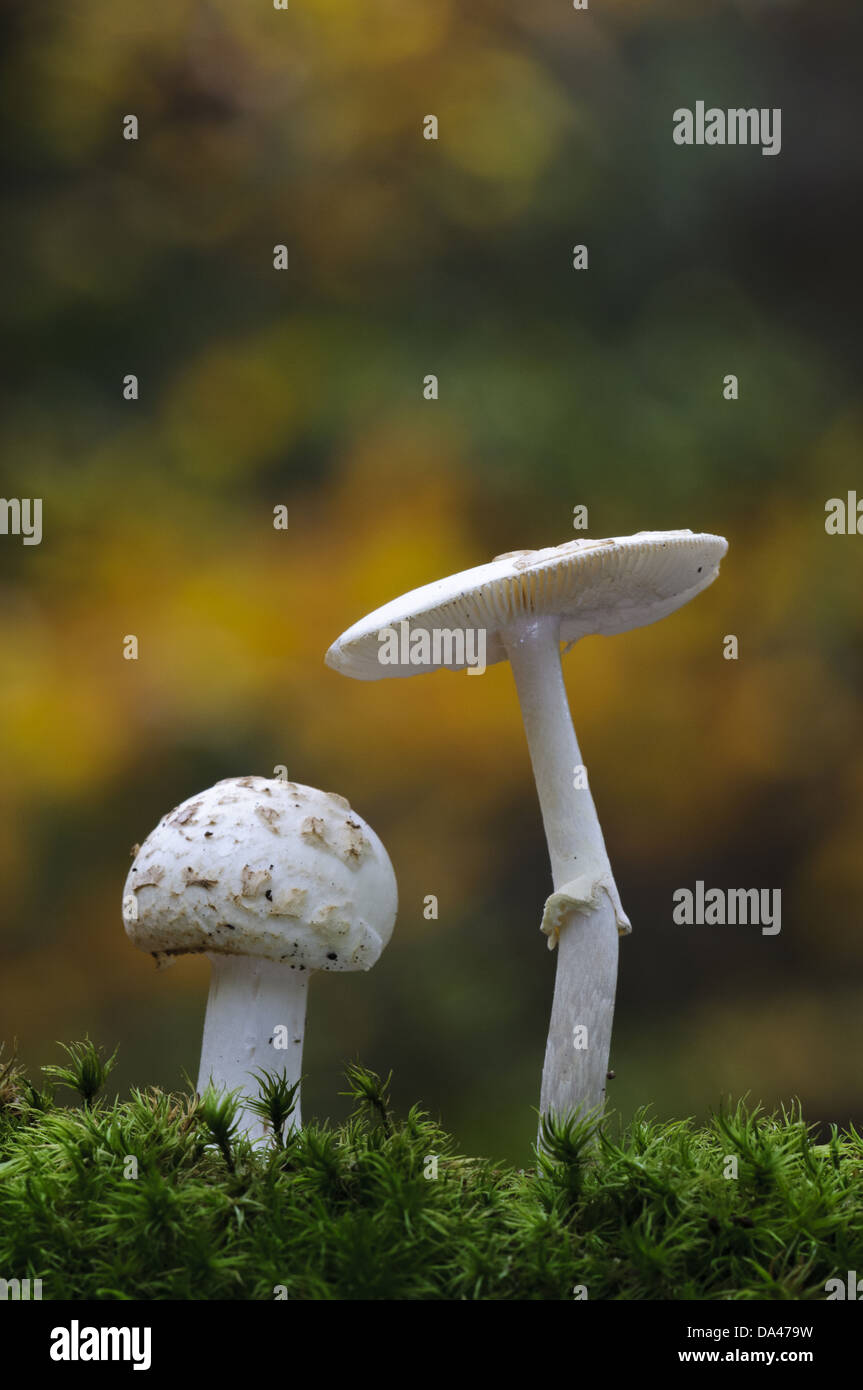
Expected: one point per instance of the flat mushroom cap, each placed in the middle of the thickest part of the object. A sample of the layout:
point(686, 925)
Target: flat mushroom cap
point(594, 586)
point(261, 867)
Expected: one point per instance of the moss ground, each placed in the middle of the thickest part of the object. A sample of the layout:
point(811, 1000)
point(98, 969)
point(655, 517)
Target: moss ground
point(156, 1197)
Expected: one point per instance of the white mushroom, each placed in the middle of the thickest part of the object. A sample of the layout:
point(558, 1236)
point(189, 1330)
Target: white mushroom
point(271, 880)
point(525, 603)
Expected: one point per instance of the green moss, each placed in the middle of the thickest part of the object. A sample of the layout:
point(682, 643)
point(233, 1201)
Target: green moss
point(357, 1212)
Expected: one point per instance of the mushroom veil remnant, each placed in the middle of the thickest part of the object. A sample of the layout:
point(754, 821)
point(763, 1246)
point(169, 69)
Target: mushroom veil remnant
point(523, 605)
point(271, 881)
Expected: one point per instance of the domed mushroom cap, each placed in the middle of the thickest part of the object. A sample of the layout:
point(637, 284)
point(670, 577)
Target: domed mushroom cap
point(594, 586)
point(260, 867)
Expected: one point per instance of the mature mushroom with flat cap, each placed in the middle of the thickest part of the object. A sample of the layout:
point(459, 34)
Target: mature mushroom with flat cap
point(525, 603)
point(270, 880)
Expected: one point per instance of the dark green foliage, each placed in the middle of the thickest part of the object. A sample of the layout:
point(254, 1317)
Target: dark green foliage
point(275, 1102)
point(371, 1093)
point(219, 1113)
point(87, 1071)
point(358, 1213)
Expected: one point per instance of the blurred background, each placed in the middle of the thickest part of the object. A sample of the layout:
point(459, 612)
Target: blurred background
point(303, 388)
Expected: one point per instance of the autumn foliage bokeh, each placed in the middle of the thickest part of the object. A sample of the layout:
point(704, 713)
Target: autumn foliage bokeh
point(304, 388)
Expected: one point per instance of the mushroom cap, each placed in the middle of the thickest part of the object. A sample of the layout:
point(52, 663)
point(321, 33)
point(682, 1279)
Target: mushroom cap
point(594, 586)
point(260, 867)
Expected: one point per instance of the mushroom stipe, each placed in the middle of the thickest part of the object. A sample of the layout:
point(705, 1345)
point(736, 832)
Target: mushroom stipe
point(307, 885)
point(524, 604)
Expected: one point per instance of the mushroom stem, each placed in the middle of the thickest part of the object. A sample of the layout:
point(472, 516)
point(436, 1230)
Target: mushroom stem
point(250, 999)
point(588, 913)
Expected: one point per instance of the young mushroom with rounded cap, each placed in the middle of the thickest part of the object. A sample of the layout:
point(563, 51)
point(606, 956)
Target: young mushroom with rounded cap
point(524, 604)
point(271, 881)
